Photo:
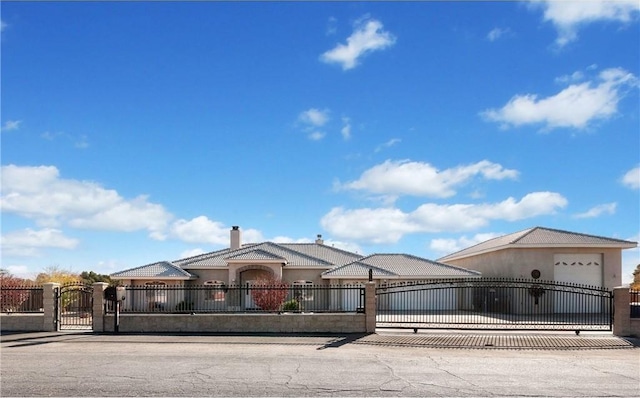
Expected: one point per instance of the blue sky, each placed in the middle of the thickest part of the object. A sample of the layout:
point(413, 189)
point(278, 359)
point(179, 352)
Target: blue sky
point(139, 132)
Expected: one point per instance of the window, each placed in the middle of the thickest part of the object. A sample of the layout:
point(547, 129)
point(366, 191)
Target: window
point(156, 294)
point(303, 290)
point(215, 291)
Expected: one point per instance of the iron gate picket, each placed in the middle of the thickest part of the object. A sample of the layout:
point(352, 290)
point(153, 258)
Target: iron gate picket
point(74, 306)
point(493, 303)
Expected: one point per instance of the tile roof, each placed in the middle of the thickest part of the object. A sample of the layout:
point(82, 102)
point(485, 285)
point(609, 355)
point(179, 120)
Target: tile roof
point(540, 237)
point(398, 266)
point(296, 255)
point(256, 254)
point(162, 269)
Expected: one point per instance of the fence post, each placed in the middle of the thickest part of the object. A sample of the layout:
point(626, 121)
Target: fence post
point(621, 311)
point(98, 306)
point(49, 306)
point(370, 306)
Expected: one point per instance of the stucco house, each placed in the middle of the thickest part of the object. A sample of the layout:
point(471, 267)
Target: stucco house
point(547, 254)
point(303, 263)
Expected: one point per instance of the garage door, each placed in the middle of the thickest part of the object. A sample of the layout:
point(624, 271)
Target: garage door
point(583, 269)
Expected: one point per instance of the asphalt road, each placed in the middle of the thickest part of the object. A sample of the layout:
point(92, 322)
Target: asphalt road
point(142, 365)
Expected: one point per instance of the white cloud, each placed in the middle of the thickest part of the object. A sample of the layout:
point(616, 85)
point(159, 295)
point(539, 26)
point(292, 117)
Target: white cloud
point(631, 179)
point(596, 211)
point(316, 135)
point(368, 36)
point(28, 242)
point(346, 128)
point(497, 33)
point(574, 107)
point(40, 194)
point(388, 225)
point(422, 179)
point(192, 253)
point(448, 246)
point(11, 125)
point(574, 77)
point(388, 144)
point(201, 230)
point(314, 117)
point(569, 16)
point(332, 27)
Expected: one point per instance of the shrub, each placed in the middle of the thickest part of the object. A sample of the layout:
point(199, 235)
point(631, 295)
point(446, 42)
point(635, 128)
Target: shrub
point(291, 305)
point(269, 293)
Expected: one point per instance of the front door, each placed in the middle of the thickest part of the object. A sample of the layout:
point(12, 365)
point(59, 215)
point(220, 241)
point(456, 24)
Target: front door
point(249, 304)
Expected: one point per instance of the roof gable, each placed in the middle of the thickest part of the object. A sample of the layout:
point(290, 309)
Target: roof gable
point(540, 237)
point(159, 270)
point(398, 266)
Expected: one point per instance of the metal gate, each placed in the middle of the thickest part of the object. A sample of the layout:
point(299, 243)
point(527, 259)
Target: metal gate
point(492, 303)
point(74, 306)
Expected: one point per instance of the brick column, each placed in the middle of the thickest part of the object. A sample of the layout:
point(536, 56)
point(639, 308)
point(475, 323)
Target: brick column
point(49, 307)
point(98, 306)
point(370, 306)
point(621, 311)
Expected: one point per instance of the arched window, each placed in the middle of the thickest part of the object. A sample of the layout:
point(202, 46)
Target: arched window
point(216, 290)
point(156, 293)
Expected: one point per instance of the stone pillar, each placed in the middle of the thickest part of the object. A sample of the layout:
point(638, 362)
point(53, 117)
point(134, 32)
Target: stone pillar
point(98, 306)
point(621, 311)
point(370, 306)
point(49, 307)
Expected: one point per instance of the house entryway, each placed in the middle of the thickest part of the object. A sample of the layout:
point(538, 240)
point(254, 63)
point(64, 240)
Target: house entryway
point(492, 303)
point(74, 307)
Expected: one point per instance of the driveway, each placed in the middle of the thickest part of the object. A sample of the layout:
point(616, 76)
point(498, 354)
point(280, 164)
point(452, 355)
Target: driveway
point(84, 364)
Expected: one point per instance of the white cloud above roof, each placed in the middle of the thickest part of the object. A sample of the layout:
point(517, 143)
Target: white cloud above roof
point(40, 194)
point(368, 36)
point(445, 246)
point(405, 177)
point(596, 211)
point(631, 178)
point(28, 242)
point(569, 16)
point(390, 224)
point(577, 106)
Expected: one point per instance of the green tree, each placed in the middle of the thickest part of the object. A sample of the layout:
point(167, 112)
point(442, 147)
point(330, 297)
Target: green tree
point(90, 277)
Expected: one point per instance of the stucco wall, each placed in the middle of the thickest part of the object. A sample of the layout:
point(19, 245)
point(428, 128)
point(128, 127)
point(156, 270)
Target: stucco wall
point(22, 322)
point(518, 263)
point(235, 323)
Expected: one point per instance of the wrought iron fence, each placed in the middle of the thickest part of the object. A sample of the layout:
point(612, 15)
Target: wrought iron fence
point(493, 303)
point(245, 298)
point(21, 299)
point(634, 303)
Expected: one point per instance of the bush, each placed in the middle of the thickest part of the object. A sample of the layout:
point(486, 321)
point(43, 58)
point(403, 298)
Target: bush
point(269, 293)
point(291, 305)
point(184, 306)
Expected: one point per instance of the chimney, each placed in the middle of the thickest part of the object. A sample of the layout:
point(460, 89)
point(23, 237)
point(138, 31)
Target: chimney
point(236, 241)
point(319, 240)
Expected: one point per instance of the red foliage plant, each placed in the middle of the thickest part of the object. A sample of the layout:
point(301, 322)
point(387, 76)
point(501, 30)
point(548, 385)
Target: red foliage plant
point(269, 293)
point(13, 292)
